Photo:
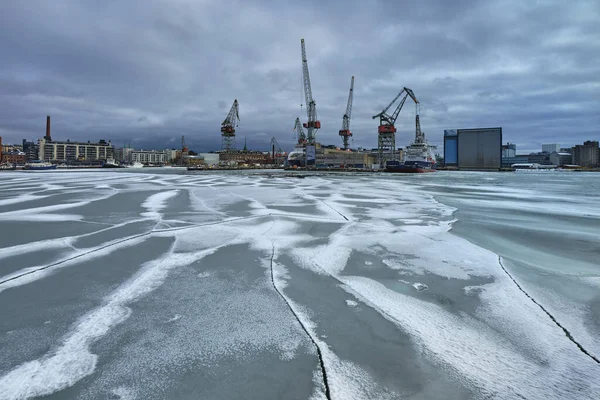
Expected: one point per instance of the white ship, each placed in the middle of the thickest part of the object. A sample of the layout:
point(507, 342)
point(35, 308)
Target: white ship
point(297, 157)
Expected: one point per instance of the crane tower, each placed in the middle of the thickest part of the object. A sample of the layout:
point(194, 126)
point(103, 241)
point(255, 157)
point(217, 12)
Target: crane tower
point(387, 131)
point(313, 124)
point(228, 127)
point(345, 131)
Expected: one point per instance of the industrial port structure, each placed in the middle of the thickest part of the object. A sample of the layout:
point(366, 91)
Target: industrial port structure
point(307, 150)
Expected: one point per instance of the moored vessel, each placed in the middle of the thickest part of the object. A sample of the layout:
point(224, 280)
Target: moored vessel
point(39, 166)
point(297, 157)
point(111, 163)
point(418, 156)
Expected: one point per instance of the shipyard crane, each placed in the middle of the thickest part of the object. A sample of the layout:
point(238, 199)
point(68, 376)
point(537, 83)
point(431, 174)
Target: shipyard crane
point(345, 131)
point(300, 132)
point(387, 131)
point(228, 127)
point(419, 136)
point(277, 153)
point(313, 124)
point(386, 121)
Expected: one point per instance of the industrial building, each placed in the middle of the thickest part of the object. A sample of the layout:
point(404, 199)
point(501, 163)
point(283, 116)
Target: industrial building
point(560, 159)
point(244, 157)
point(587, 155)
point(509, 150)
point(450, 148)
point(473, 149)
point(338, 158)
point(210, 159)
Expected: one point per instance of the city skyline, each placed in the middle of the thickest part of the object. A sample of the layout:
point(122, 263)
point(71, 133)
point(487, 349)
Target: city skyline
point(148, 74)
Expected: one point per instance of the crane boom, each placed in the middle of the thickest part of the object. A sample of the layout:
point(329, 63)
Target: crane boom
point(345, 131)
point(300, 132)
point(232, 118)
point(386, 121)
point(228, 127)
point(419, 135)
point(311, 108)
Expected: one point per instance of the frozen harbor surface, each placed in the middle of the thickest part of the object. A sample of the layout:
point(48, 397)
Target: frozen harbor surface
point(164, 284)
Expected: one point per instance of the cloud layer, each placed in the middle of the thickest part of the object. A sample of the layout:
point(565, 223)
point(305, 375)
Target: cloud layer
point(149, 72)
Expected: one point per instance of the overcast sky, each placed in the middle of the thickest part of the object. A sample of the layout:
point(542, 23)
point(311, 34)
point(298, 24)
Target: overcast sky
point(149, 71)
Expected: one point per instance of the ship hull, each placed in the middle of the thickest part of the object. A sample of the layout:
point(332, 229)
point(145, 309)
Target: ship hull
point(415, 167)
point(40, 168)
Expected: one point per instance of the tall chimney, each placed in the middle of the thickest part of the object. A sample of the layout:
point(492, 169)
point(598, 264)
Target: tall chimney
point(47, 137)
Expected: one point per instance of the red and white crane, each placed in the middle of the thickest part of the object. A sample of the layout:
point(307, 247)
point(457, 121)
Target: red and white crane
point(386, 140)
point(345, 131)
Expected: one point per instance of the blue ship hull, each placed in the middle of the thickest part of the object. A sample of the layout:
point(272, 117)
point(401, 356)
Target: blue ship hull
point(410, 167)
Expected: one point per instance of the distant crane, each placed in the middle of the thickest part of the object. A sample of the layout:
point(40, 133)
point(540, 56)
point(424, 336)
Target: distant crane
point(313, 123)
point(184, 148)
point(228, 127)
point(387, 131)
point(300, 132)
point(345, 131)
point(278, 154)
point(419, 135)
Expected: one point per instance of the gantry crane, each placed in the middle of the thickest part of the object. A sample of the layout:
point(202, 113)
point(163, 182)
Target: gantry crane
point(313, 124)
point(300, 132)
point(345, 131)
point(228, 127)
point(387, 131)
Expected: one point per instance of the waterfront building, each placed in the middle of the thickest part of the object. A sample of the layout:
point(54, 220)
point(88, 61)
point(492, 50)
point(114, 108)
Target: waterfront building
point(13, 157)
point(50, 150)
point(31, 150)
point(148, 157)
point(473, 149)
point(509, 150)
point(587, 155)
point(559, 159)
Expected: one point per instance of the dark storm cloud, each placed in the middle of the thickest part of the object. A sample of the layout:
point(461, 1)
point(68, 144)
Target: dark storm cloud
point(150, 72)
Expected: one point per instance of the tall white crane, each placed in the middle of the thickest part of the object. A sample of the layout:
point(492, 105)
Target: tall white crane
point(313, 124)
point(345, 131)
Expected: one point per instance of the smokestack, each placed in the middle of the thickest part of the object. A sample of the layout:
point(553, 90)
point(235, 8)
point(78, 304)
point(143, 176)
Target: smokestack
point(47, 137)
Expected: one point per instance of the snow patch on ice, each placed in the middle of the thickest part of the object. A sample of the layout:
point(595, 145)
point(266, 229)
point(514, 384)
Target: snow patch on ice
point(420, 286)
point(123, 393)
point(176, 317)
point(157, 202)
